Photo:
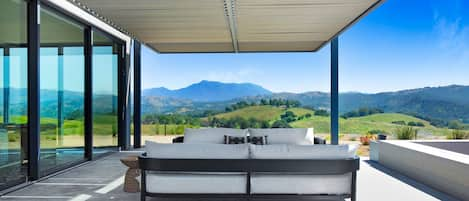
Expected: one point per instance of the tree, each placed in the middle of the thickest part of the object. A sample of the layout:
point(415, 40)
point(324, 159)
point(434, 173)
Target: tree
point(321, 112)
point(265, 124)
point(455, 124)
point(288, 116)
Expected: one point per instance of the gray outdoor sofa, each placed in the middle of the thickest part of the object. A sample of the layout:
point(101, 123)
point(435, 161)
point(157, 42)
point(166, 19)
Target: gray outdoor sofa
point(291, 166)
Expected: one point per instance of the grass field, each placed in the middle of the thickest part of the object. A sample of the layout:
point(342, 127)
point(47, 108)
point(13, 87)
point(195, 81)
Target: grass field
point(362, 125)
point(104, 130)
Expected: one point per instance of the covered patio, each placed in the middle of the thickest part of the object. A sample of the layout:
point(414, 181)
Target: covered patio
point(188, 26)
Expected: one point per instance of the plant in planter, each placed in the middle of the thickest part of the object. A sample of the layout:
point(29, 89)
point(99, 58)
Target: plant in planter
point(365, 140)
point(406, 133)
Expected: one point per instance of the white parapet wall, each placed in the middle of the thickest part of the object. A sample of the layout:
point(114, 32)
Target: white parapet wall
point(443, 170)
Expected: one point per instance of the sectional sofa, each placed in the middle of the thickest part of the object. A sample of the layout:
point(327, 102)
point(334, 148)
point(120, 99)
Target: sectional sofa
point(288, 165)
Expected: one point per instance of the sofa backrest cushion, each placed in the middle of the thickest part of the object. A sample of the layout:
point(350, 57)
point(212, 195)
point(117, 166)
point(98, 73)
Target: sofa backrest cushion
point(211, 135)
point(279, 151)
point(197, 151)
point(301, 136)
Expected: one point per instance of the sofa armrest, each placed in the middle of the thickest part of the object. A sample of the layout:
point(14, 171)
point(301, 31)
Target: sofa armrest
point(179, 139)
point(318, 140)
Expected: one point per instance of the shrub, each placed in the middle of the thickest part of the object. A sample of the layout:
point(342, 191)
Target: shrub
point(377, 131)
point(418, 124)
point(406, 133)
point(399, 122)
point(48, 137)
point(13, 138)
point(322, 113)
point(457, 135)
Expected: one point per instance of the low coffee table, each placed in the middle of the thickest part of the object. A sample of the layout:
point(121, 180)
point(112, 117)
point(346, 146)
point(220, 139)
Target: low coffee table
point(131, 184)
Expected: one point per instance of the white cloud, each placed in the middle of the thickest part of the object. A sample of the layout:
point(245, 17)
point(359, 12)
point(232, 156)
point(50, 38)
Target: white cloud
point(452, 35)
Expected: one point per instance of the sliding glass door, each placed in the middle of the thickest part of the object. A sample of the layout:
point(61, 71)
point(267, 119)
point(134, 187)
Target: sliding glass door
point(62, 92)
point(13, 92)
point(105, 90)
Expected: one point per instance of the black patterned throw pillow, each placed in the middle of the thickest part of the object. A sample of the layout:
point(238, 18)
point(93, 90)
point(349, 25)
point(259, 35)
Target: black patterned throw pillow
point(234, 140)
point(257, 140)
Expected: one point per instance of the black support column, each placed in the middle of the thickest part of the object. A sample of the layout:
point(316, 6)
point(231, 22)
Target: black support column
point(88, 107)
point(33, 88)
point(6, 85)
point(123, 99)
point(335, 91)
point(137, 94)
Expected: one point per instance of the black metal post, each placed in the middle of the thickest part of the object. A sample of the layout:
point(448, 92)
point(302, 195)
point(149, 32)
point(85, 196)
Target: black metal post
point(335, 91)
point(33, 88)
point(88, 107)
point(122, 100)
point(6, 85)
point(137, 94)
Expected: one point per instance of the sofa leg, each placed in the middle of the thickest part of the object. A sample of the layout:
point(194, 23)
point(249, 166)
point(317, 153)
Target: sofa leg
point(354, 187)
point(143, 185)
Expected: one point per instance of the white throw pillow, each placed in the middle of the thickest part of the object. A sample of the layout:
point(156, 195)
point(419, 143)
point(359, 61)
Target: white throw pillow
point(302, 151)
point(196, 151)
point(211, 135)
point(302, 136)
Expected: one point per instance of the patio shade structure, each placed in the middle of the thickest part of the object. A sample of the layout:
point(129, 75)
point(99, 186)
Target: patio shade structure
point(235, 26)
point(188, 26)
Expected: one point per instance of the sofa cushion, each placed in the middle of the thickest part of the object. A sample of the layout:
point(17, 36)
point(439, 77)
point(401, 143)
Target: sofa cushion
point(187, 183)
point(211, 135)
point(301, 184)
point(286, 135)
point(278, 151)
point(197, 151)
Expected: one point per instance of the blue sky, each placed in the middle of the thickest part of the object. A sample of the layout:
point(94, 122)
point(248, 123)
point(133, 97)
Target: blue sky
point(401, 45)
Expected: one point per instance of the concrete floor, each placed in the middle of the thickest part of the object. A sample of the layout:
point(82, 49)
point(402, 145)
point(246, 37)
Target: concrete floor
point(102, 180)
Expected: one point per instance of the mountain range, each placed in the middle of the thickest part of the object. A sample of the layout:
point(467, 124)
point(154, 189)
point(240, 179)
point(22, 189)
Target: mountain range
point(209, 91)
point(446, 102)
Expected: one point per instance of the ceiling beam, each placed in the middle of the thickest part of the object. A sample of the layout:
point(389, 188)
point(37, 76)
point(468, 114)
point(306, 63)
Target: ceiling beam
point(230, 13)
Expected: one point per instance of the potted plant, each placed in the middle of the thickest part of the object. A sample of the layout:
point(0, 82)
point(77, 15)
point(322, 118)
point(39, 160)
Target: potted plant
point(365, 140)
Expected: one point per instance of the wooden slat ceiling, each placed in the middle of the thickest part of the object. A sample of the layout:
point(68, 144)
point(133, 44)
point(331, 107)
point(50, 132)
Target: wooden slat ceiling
point(187, 26)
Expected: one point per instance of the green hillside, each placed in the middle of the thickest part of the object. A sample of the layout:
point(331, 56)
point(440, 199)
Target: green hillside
point(362, 125)
point(321, 124)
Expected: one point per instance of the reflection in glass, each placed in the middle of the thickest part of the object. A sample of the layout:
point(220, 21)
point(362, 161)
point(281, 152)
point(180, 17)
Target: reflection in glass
point(13, 93)
point(105, 65)
point(62, 97)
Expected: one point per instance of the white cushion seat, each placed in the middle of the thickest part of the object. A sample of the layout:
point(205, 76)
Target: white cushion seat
point(196, 151)
point(205, 183)
point(300, 184)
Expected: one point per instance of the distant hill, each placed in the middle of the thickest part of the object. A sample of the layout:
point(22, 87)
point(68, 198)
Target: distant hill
point(447, 103)
point(210, 91)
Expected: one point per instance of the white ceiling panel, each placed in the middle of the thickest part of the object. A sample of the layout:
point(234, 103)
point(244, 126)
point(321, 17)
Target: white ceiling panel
point(186, 26)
